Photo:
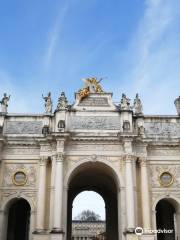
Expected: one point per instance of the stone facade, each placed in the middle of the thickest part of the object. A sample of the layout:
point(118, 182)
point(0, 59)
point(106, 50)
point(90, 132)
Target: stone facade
point(86, 230)
point(131, 159)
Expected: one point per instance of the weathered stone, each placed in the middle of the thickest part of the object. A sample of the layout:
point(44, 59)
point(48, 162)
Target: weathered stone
point(162, 128)
point(23, 127)
point(96, 122)
point(94, 102)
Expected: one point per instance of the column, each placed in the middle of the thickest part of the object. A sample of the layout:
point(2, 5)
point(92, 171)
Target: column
point(65, 204)
point(58, 195)
point(145, 196)
point(52, 190)
point(41, 197)
point(130, 208)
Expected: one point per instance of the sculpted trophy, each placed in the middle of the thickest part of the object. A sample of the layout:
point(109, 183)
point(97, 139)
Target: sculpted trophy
point(92, 85)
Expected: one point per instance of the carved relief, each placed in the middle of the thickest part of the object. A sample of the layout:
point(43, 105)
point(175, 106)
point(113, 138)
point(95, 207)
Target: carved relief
point(23, 127)
point(10, 169)
point(95, 122)
point(90, 102)
point(162, 128)
point(157, 170)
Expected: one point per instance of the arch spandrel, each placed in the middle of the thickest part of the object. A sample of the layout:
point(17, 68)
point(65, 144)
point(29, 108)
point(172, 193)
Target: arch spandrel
point(117, 176)
point(9, 200)
point(170, 198)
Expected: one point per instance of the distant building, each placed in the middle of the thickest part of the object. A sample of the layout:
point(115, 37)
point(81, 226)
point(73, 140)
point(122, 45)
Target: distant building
point(86, 230)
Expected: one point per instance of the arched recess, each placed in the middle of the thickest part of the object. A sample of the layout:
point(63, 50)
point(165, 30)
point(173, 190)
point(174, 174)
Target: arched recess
point(16, 219)
point(98, 177)
point(167, 217)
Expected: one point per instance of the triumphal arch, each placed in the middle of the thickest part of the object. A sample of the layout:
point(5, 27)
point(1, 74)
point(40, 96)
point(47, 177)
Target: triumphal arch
point(132, 160)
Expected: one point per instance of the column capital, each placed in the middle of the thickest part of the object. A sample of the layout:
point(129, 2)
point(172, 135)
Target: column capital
point(43, 160)
point(142, 161)
point(60, 157)
point(129, 157)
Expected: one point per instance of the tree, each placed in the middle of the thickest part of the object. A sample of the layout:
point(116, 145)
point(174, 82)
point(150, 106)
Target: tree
point(88, 215)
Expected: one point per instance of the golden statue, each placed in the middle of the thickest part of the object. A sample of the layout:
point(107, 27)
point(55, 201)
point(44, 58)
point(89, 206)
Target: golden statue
point(92, 85)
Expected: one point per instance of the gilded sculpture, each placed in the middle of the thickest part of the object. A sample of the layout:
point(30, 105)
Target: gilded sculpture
point(92, 85)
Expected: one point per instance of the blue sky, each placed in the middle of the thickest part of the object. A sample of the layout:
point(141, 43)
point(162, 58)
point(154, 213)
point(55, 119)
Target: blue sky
point(51, 45)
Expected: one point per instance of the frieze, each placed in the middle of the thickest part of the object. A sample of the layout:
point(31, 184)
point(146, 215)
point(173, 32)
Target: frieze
point(21, 151)
point(93, 147)
point(10, 169)
point(162, 128)
point(23, 127)
point(95, 122)
point(163, 151)
point(98, 101)
point(95, 158)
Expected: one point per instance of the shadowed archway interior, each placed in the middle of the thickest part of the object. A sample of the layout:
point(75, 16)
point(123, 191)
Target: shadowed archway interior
point(98, 177)
point(165, 219)
point(18, 220)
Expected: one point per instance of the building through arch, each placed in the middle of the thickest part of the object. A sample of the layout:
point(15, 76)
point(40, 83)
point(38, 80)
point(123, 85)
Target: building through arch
point(88, 216)
point(130, 158)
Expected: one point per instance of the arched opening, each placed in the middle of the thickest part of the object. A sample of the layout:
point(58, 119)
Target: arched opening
point(100, 178)
point(166, 220)
point(88, 216)
point(18, 220)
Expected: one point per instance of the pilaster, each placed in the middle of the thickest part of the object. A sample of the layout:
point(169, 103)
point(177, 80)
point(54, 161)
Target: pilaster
point(145, 196)
point(57, 231)
point(41, 196)
point(129, 179)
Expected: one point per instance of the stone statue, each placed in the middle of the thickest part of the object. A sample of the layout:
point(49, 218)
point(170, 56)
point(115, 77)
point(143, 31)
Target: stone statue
point(177, 105)
point(138, 105)
point(141, 130)
point(48, 103)
point(92, 85)
point(62, 102)
point(4, 103)
point(125, 103)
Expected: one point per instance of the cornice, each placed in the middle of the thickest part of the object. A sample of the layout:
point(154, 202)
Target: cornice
point(94, 139)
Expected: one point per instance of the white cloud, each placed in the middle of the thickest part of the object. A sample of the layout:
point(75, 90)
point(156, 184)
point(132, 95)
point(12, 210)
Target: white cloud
point(155, 54)
point(54, 35)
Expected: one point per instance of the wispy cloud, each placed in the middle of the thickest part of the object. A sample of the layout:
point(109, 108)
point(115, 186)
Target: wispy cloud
point(155, 53)
point(54, 35)
point(21, 100)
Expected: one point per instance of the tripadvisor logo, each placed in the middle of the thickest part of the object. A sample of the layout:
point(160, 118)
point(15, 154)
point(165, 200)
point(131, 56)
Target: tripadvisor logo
point(139, 231)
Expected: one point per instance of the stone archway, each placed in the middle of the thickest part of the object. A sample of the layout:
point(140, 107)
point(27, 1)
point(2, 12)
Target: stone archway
point(167, 219)
point(98, 177)
point(18, 219)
